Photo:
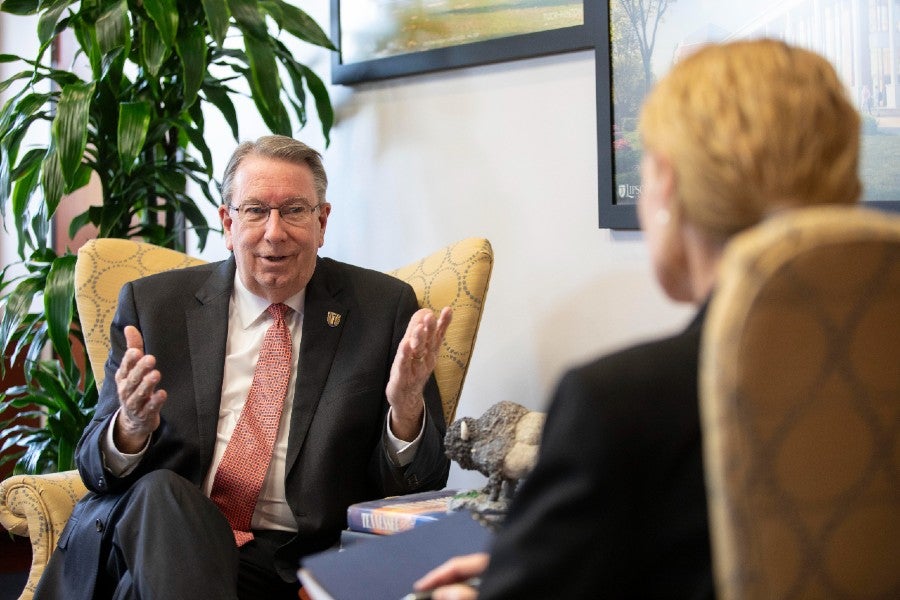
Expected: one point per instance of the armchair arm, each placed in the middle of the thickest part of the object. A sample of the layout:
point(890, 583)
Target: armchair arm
point(38, 506)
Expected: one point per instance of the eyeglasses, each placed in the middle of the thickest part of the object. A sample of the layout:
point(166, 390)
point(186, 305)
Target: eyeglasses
point(254, 215)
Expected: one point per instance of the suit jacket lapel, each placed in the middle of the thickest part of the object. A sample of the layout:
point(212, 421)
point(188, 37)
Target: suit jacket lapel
point(324, 319)
point(207, 334)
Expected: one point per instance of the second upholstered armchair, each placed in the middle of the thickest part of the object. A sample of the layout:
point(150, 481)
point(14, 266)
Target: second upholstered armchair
point(38, 506)
point(800, 389)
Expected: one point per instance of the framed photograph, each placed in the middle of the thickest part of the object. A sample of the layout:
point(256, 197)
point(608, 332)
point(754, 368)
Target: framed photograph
point(379, 39)
point(646, 37)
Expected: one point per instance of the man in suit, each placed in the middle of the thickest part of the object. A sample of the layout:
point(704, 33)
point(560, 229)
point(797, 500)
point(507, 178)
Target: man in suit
point(361, 417)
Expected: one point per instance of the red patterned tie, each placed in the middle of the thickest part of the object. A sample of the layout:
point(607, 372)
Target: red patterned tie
point(240, 475)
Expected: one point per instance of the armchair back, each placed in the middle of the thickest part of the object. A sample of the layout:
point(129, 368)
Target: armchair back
point(800, 405)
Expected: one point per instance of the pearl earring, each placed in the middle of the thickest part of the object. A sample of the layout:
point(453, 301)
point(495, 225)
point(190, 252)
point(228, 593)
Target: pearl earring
point(662, 217)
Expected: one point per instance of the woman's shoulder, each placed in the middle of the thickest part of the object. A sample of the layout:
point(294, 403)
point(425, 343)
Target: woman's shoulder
point(644, 362)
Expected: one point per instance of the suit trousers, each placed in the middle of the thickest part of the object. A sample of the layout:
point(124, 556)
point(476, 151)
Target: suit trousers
point(165, 540)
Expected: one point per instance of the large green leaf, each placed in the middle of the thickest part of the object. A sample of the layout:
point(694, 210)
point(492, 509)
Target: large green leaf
point(134, 119)
point(296, 22)
point(323, 101)
point(38, 458)
point(62, 78)
point(31, 160)
point(20, 7)
point(59, 293)
point(164, 14)
point(218, 19)
point(195, 135)
point(198, 220)
point(113, 28)
point(31, 341)
point(4, 178)
point(286, 58)
point(16, 307)
point(191, 48)
point(52, 180)
point(82, 176)
point(86, 34)
point(70, 128)
point(14, 435)
point(52, 388)
point(248, 18)
point(153, 50)
point(11, 138)
point(18, 116)
point(53, 9)
point(217, 95)
point(107, 217)
point(298, 74)
point(265, 85)
point(65, 455)
point(40, 225)
point(24, 188)
point(111, 67)
point(77, 222)
point(13, 78)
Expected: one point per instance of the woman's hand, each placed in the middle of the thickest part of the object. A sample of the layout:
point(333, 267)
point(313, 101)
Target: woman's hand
point(447, 581)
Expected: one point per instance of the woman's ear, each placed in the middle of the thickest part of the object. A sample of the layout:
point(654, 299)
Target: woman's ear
point(656, 202)
point(665, 181)
point(661, 220)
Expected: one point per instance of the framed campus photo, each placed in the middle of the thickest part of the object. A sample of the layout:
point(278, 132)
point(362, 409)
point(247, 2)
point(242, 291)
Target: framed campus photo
point(646, 37)
point(379, 39)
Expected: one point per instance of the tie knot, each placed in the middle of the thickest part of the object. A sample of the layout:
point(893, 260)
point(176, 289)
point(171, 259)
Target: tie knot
point(277, 311)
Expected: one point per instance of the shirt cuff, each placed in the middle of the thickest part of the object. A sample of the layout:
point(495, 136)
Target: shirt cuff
point(114, 461)
point(400, 452)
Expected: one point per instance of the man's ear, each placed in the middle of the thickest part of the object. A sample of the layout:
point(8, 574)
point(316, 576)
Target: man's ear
point(324, 212)
point(227, 221)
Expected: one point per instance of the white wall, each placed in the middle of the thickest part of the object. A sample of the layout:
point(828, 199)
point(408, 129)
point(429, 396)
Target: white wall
point(507, 152)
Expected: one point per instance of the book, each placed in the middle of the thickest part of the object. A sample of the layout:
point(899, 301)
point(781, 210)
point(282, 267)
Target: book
point(386, 567)
point(398, 513)
point(350, 537)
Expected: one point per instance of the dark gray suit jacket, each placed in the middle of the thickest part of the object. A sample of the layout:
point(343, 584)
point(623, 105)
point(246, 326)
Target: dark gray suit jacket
point(616, 504)
point(335, 453)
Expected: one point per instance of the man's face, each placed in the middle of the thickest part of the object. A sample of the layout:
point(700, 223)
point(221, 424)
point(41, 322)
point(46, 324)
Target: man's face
point(275, 259)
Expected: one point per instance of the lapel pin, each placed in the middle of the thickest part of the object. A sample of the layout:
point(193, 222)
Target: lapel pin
point(333, 319)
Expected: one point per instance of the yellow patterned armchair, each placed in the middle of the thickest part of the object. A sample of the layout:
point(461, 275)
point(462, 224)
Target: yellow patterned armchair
point(800, 405)
point(39, 506)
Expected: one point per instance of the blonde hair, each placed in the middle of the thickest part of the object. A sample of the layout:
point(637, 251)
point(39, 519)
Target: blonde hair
point(751, 127)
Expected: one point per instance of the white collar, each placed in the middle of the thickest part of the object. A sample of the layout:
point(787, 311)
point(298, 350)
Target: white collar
point(249, 307)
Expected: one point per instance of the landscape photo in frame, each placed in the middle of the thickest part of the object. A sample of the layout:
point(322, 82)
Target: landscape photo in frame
point(861, 38)
point(380, 39)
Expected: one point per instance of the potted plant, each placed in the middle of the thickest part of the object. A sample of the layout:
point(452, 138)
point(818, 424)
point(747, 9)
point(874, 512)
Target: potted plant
point(135, 122)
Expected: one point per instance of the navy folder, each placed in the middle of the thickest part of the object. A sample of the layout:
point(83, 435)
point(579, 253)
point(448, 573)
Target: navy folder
point(385, 567)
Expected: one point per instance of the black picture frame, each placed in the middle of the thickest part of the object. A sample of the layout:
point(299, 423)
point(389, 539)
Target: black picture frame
point(612, 215)
point(530, 45)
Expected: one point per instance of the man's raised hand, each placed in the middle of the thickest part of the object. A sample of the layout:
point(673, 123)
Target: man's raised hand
point(140, 401)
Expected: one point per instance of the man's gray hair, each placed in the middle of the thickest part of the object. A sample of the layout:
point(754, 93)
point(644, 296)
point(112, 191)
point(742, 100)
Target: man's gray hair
point(279, 147)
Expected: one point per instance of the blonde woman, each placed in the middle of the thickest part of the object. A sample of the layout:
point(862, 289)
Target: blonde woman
point(616, 505)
